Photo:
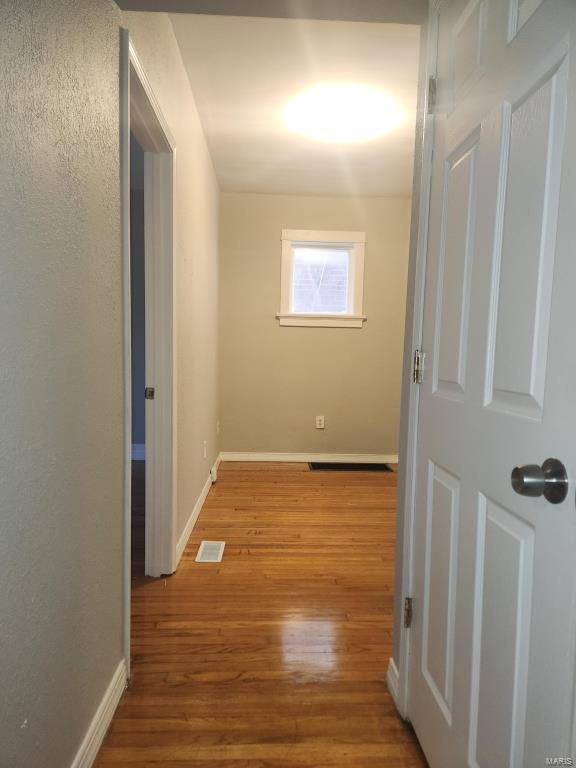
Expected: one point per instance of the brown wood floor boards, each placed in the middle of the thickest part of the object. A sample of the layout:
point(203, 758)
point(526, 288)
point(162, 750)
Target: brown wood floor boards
point(275, 657)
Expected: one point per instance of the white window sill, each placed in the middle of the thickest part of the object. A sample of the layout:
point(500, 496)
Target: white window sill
point(321, 320)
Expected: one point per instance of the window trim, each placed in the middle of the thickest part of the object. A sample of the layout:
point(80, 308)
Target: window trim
point(355, 241)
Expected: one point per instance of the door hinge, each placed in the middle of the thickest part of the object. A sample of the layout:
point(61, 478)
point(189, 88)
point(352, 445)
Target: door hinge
point(432, 94)
point(149, 393)
point(418, 366)
point(408, 610)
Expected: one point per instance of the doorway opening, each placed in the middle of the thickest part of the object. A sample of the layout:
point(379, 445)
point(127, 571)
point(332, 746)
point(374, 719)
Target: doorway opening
point(147, 230)
point(302, 404)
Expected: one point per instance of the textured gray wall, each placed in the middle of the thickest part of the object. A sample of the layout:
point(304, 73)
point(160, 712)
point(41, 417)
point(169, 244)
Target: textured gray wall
point(60, 375)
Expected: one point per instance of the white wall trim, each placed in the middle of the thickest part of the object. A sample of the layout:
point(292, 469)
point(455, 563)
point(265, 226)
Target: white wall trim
point(317, 320)
point(138, 452)
point(393, 680)
point(150, 127)
point(139, 110)
point(413, 340)
point(214, 470)
point(189, 527)
point(101, 721)
point(127, 333)
point(354, 458)
point(354, 242)
point(147, 119)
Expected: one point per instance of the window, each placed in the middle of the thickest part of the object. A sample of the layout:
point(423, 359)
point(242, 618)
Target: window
point(322, 279)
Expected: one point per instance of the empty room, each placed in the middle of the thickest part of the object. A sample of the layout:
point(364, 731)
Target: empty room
point(286, 468)
point(310, 128)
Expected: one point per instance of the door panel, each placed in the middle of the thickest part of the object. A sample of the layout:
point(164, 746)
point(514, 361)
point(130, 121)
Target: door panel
point(534, 128)
point(520, 12)
point(440, 586)
point(454, 268)
point(468, 45)
point(504, 573)
point(493, 639)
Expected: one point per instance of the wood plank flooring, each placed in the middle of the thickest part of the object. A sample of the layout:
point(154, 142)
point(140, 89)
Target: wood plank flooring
point(276, 656)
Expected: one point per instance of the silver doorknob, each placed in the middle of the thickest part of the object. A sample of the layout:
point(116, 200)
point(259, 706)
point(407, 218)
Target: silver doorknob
point(550, 480)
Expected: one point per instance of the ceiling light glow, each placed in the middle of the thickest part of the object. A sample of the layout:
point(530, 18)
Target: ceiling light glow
point(343, 113)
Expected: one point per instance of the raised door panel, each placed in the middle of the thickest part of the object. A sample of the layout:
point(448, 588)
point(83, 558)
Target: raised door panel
point(532, 139)
point(467, 46)
point(454, 269)
point(501, 637)
point(520, 12)
point(441, 556)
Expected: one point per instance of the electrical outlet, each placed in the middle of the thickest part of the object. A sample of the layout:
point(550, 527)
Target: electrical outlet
point(319, 422)
point(205, 449)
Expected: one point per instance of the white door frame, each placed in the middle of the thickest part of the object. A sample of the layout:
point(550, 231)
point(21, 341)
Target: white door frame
point(140, 114)
point(398, 676)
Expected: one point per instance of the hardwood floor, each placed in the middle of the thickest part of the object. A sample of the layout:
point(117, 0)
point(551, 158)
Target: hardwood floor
point(276, 656)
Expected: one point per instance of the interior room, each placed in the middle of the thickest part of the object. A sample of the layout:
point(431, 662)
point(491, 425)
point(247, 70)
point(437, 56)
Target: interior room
point(301, 387)
point(313, 211)
point(274, 176)
point(286, 467)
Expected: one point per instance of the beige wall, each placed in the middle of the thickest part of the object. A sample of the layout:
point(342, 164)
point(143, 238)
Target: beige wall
point(196, 258)
point(274, 380)
point(61, 388)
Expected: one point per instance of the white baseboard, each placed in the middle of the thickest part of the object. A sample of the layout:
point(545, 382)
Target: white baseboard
point(393, 681)
point(353, 458)
point(138, 452)
point(214, 470)
point(97, 729)
point(189, 527)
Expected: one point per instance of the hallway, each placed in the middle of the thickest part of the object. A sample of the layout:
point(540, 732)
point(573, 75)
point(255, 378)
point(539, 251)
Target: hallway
point(277, 655)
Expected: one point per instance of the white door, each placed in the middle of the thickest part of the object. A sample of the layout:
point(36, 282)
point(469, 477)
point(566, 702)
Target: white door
point(492, 660)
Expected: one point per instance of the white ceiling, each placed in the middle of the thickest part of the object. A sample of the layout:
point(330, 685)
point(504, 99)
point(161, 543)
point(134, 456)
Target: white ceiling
point(244, 70)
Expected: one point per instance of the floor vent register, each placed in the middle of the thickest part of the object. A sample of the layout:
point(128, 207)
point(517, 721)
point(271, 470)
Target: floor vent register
point(210, 551)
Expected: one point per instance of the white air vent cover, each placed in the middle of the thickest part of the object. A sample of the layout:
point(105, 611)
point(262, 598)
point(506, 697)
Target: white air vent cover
point(210, 552)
